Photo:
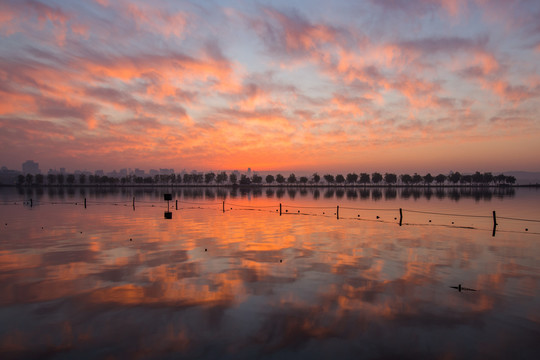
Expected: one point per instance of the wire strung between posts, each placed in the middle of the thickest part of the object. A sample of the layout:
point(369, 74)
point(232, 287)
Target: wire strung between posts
point(252, 207)
point(308, 207)
point(445, 214)
point(518, 219)
point(366, 209)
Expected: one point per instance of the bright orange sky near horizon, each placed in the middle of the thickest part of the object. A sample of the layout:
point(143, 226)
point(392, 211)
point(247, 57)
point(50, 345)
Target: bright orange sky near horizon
point(428, 85)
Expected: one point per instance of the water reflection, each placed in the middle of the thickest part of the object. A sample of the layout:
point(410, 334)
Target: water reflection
point(108, 281)
point(195, 193)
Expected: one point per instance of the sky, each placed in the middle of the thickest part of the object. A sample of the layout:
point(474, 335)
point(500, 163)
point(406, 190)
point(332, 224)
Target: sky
point(327, 86)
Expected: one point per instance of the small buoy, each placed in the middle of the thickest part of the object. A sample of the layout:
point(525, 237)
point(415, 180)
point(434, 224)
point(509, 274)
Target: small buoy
point(231, 208)
point(276, 210)
point(395, 218)
point(322, 213)
point(130, 239)
point(526, 229)
point(429, 220)
point(378, 217)
point(286, 210)
point(358, 215)
point(42, 228)
point(452, 222)
point(298, 210)
point(280, 260)
point(81, 232)
point(205, 249)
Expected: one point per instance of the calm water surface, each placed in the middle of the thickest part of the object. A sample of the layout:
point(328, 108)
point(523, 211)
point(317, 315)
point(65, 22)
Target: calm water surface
point(115, 281)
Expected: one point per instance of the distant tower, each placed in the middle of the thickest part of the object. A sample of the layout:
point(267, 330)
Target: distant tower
point(30, 167)
point(249, 172)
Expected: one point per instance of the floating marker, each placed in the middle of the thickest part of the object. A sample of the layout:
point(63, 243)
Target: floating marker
point(526, 229)
point(130, 239)
point(377, 216)
point(280, 260)
point(429, 220)
point(205, 249)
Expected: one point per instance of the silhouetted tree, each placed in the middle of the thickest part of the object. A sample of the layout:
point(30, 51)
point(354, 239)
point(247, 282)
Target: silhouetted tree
point(510, 179)
point(390, 178)
point(316, 178)
point(209, 177)
point(280, 179)
point(477, 178)
point(256, 179)
point(221, 177)
point(440, 179)
point(376, 178)
point(303, 180)
point(292, 179)
point(70, 179)
point(416, 179)
point(428, 179)
point(20, 179)
point(82, 178)
point(499, 178)
point(269, 179)
point(198, 178)
point(488, 178)
point(352, 178)
point(60, 179)
point(454, 177)
point(364, 178)
point(466, 179)
point(233, 179)
point(329, 178)
point(405, 179)
point(244, 180)
point(188, 178)
point(29, 179)
point(340, 179)
point(39, 179)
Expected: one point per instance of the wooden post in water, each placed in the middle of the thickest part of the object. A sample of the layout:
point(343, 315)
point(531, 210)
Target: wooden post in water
point(279, 209)
point(494, 222)
point(85, 203)
point(31, 203)
point(400, 216)
point(134, 203)
point(223, 205)
point(176, 204)
point(337, 212)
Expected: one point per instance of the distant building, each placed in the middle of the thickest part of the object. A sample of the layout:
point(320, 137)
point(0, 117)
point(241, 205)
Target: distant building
point(99, 173)
point(30, 167)
point(62, 170)
point(249, 172)
point(166, 171)
point(139, 173)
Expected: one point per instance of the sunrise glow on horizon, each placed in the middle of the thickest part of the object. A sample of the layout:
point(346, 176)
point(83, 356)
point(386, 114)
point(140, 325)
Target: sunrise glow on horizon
point(375, 85)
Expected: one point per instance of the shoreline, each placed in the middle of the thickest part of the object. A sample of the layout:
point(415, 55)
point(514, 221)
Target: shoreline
point(297, 186)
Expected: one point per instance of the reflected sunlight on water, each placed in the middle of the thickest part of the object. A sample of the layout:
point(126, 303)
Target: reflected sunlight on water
point(113, 280)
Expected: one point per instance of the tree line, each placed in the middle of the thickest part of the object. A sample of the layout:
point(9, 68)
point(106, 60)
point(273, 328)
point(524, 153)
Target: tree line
point(222, 178)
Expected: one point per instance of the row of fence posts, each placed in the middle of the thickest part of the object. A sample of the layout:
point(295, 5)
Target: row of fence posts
point(168, 197)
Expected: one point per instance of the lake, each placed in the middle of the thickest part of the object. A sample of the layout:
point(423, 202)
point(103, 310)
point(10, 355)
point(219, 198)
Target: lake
point(230, 277)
